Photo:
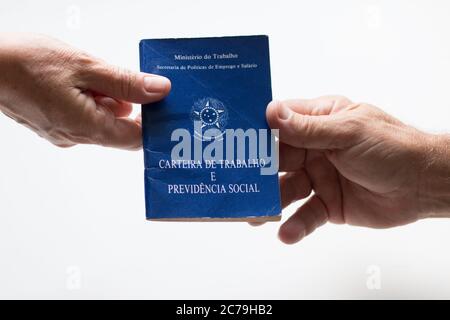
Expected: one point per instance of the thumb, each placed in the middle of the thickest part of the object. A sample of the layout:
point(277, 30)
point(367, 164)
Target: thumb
point(303, 130)
point(122, 84)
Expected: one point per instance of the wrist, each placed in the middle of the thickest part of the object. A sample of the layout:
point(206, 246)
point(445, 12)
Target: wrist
point(434, 182)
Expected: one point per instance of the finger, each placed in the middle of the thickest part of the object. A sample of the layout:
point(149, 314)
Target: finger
point(123, 134)
point(121, 84)
point(294, 186)
point(305, 130)
point(311, 215)
point(326, 183)
point(120, 109)
point(256, 224)
point(291, 158)
point(109, 131)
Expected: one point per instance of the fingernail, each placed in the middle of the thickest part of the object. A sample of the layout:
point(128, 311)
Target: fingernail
point(156, 83)
point(284, 113)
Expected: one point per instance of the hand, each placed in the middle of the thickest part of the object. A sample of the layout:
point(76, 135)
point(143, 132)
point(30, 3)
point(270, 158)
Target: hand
point(365, 167)
point(69, 97)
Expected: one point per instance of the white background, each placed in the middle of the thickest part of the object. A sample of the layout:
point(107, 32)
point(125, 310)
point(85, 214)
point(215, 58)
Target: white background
point(72, 222)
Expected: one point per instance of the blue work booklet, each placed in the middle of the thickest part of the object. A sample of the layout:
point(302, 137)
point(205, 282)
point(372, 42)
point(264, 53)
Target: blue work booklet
point(208, 151)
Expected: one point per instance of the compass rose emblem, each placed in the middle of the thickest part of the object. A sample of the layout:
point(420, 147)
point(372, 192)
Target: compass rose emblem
point(211, 113)
point(209, 116)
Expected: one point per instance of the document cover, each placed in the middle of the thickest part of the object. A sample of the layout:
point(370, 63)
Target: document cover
point(208, 151)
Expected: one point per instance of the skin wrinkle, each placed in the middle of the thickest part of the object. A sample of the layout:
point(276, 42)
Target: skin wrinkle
point(125, 85)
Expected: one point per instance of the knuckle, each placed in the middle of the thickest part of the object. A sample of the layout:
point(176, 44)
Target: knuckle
point(337, 102)
point(127, 80)
point(352, 128)
point(85, 60)
point(367, 108)
point(68, 56)
point(341, 100)
point(368, 111)
point(87, 68)
point(75, 61)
